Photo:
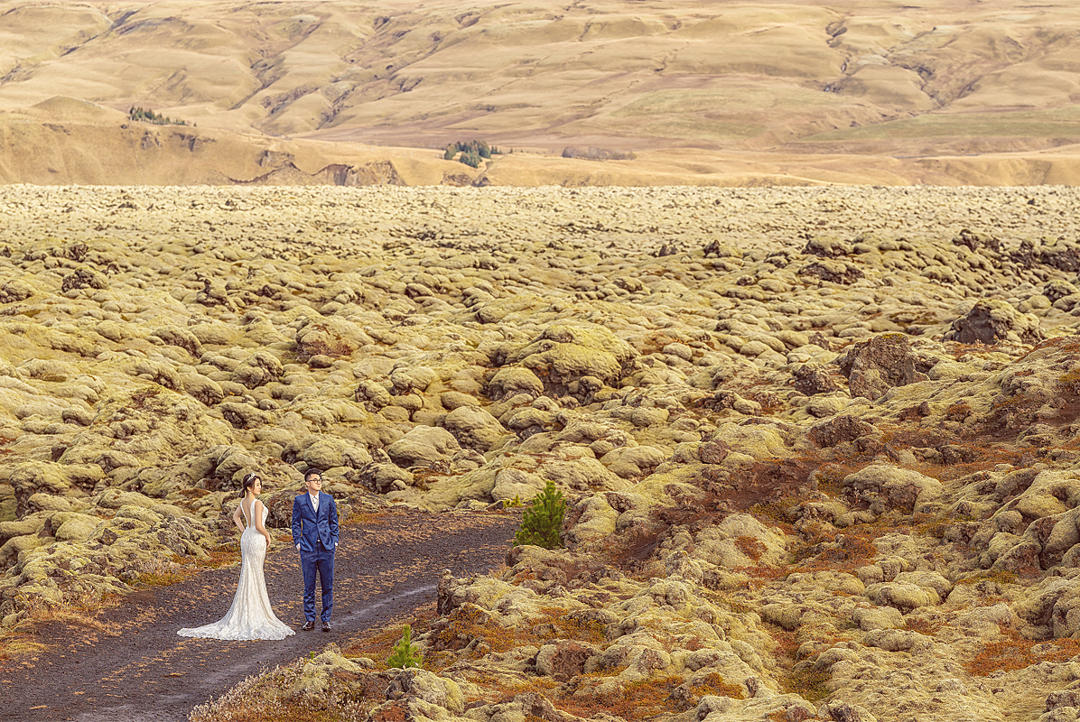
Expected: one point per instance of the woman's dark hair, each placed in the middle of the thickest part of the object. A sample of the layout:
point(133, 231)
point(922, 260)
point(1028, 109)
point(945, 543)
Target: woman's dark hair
point(249, 481)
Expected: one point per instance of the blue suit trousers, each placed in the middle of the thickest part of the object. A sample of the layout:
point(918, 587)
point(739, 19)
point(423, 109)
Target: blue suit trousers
point(319, 562)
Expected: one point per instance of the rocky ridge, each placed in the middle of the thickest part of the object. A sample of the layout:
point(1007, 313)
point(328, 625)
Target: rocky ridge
point(818, 443)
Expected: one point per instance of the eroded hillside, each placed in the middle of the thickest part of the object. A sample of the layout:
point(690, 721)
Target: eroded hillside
point(686, 92)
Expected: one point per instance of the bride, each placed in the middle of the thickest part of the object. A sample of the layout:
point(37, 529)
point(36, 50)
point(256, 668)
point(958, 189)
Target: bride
point(250, 616)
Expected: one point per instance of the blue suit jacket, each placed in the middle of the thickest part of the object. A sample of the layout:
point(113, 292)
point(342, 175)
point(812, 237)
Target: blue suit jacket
point(309, 528)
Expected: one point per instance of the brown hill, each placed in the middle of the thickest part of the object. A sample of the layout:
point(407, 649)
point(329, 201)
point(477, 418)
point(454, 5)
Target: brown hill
point(732, 93)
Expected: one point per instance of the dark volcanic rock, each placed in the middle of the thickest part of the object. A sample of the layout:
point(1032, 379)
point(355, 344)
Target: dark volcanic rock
point(1058, 289)
point(713, 452)
point(826, 248)
point(564, 659)
point(838, 430)
point(832, 271)
point(1062, 255)
point(1024, 256)
point(811, 379)
point(83, 278)
point(15, 290)
point(992, 320)
point(875, 366)
point(975, 241)
point(1064, 698)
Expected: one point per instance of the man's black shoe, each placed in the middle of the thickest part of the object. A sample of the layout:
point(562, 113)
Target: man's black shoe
point(308, 625)
point(326, 626)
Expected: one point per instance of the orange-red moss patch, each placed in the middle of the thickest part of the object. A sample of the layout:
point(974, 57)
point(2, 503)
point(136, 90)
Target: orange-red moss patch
point(1015, 652)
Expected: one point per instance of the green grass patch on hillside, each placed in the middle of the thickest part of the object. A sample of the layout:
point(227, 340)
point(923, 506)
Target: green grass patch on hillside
point(696, 113)
point(1060, 122)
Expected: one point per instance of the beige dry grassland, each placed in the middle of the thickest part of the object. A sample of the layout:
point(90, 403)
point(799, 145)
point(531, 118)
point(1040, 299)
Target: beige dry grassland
point(354, 93)
point(818, 445)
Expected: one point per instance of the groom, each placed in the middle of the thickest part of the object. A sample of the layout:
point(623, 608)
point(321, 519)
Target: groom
point(315, 534)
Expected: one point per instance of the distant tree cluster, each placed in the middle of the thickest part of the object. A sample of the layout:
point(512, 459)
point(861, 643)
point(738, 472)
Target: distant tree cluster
point(472, 152)
point(148, 116)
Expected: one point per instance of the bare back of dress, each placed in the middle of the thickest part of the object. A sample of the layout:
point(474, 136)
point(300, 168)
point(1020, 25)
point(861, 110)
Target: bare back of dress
point(250, 616)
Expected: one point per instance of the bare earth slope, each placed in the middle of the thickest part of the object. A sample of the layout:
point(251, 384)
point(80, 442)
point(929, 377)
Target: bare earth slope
point(717, 92)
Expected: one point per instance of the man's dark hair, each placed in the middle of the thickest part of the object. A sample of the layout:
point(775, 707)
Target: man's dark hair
point(311, 472)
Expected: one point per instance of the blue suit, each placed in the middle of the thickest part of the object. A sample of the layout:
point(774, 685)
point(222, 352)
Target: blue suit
point(317, 535)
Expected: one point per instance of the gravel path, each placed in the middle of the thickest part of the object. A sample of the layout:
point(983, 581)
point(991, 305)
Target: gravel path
point(142, 670)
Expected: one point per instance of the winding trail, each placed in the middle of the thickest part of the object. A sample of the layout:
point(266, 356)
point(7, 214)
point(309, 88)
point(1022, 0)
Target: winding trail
point(140, 669)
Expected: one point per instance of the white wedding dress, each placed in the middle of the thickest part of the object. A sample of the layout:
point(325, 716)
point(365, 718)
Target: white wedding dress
point(250, 616)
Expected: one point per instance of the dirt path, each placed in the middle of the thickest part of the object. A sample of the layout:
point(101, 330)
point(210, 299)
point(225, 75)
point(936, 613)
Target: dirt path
point(142, 670)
